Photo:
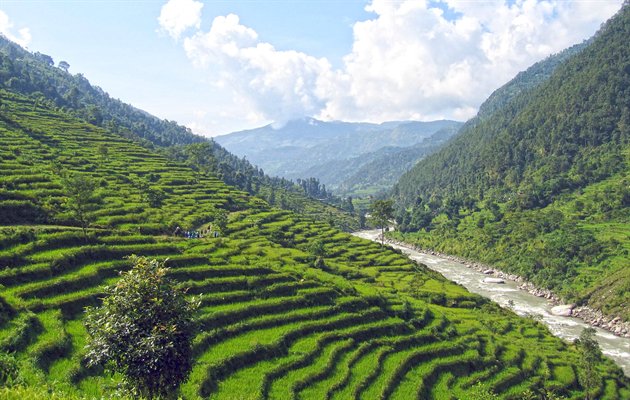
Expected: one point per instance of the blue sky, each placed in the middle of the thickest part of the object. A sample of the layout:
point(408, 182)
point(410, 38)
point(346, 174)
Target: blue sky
point(220, 66)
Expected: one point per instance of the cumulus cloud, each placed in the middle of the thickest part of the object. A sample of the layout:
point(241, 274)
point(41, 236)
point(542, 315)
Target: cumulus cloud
point(413, 59)
point(279, 84)
point(23, 35)
point(178, 15)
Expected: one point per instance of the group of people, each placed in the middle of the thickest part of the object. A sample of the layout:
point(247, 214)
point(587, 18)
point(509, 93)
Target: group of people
point(195, 234)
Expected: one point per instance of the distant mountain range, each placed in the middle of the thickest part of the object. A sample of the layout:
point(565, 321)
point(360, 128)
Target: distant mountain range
point(335, 152)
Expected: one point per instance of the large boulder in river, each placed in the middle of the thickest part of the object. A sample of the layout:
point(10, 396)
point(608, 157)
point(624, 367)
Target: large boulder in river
point(493, 280)
point(564, 310)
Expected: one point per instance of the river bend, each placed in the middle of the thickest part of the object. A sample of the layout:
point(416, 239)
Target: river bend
point(522, 302)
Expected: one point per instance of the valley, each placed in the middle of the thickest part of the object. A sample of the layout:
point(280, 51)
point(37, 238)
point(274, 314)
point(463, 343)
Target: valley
point(278, 317)
point(265, 238)
point(522, 302)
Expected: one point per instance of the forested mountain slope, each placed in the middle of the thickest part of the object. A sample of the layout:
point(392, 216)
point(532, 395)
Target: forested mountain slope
point(35, 75)
point(290, 307)
point(539, 183)
point(379, 173)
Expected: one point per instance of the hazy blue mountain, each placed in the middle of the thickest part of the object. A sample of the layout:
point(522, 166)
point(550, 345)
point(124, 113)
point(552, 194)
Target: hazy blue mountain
point(377, 171)
point(386, 166)
point(330, 151)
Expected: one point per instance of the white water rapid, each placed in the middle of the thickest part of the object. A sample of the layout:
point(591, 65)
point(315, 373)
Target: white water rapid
point(520, 301)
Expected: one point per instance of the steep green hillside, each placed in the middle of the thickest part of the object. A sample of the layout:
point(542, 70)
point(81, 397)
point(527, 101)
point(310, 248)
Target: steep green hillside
point(35, 76)
point(539, 183)
point(361, 322)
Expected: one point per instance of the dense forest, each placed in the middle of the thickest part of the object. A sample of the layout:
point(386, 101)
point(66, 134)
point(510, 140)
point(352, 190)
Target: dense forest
point(539, 183)
point(378, 171)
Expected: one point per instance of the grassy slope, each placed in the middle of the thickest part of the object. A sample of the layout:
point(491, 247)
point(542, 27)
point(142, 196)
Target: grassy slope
point(369, 323)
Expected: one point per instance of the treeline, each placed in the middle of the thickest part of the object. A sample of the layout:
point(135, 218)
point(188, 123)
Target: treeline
point(36, 75)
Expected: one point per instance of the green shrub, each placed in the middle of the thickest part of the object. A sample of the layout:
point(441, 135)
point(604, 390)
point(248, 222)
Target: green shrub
point(144, 329)
point(9, 370)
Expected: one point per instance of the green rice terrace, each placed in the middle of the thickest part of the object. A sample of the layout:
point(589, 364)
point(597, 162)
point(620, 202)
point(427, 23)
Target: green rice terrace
point(353, 320)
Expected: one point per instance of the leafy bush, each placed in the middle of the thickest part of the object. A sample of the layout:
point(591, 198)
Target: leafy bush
point(144, 329)
point(9, 370)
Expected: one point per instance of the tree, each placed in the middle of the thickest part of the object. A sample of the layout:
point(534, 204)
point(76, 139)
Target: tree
point(589, 355)
point(272, 197)
point(81, 198)
point(361, 219)
point(63, 65)
point(151, 194)
point(318, 250)
point(348, 205)
point(144, 330)
point(420, 218)
point(103, 151)
point(220, 220)
point(381, 212)
point(155, 196)
point(94, 115)
point(45, 58)
point(201, 155)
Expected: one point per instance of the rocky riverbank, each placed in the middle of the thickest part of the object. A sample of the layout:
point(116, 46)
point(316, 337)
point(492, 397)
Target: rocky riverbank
point(593, 317)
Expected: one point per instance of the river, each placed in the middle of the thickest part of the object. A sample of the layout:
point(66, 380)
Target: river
point(522, 302)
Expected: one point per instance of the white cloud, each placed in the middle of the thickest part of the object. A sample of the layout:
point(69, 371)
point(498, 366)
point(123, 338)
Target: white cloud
point(23, 36)
point(410, 61)
point(178, 15)
point(277, 84)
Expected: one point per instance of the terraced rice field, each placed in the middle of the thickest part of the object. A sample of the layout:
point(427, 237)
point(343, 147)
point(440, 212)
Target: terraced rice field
point(366, 323)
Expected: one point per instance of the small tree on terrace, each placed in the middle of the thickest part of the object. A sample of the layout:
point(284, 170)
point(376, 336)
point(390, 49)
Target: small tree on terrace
point(318, 250)
point(144, 330)
point(220, 220)
point(381, 212)
point(81, 198)
point(589, 354)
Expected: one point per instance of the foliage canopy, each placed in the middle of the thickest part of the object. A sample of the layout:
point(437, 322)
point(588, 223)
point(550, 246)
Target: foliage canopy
point(381, 213)
point(82, 198)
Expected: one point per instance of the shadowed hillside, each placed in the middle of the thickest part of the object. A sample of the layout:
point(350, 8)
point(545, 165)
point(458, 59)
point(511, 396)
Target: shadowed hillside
point(335, 151)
